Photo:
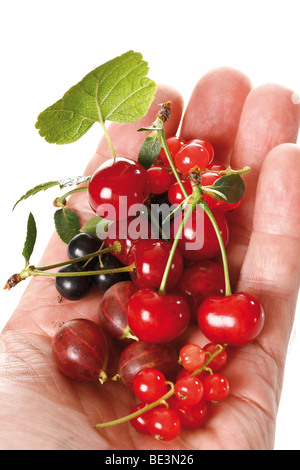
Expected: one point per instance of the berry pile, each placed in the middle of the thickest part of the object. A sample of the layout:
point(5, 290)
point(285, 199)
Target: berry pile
point(154, 250)
point(154, 288)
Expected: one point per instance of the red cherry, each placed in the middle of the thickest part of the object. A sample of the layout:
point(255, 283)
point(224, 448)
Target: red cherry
point(236, 320)
point(199, 240)
point(216, 387)
point(127, 232)
point(155, 317)
point(117, 185)
point(202, 280)
point(191, 417)
point(150, 258)
point(195, 153)
point(174, 144)
point(208, 179)
point(149, 385)
point(160, 179)
point(80, 349)
point(175, 195)
point(164, 424)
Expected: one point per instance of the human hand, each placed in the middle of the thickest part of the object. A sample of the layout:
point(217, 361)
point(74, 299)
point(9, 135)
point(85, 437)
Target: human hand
point(41, 409)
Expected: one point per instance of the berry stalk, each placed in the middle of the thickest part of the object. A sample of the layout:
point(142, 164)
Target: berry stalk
point(163, 142)
point(194, 199)
point(207, 210)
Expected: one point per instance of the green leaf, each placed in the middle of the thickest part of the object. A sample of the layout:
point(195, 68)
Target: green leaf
point(231, 186)
point(30, 238)
point(66, 223)
point(149, 151)
point(75, 180)
point(117, 91)
point(95, 225)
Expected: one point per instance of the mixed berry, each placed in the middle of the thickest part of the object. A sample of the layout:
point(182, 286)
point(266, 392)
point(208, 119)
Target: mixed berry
point(157, 274)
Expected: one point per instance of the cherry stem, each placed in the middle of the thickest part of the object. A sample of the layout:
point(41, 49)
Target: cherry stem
point(61, 201)
point(190, 206)
point(115, 247)
point(125, 269)
point(207, 210)
point(188, 210)
point(164, 145)
point(211, 356)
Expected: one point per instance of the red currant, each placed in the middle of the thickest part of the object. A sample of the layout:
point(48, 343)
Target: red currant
point(192, 357)
point(208, 179)
point(174, 144)
point(196, 153)
point(150, 258)
point(164, 424)
point(149, 385)
point(216, 387)
point(189, 389)
point(215, 167)
point(117, 185)
point(191, 417)
point(155, 317)
point(175, 195)
point(140, 423)
point(218, 362)
point(235, 320)
point(160, 179)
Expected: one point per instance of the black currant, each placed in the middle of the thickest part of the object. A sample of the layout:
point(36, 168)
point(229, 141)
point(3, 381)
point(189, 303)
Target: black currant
point(83, 244)
point(104, 281)
point(73, 287)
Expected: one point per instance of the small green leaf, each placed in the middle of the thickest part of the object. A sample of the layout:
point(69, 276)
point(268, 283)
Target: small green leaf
point(66, 223)
point(95, 225)
point(149, 151)
point(30, 238)
point(74, 180)
point(231, 186)
point(117, 91)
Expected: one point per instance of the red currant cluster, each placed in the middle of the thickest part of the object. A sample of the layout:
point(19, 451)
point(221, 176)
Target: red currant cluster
point(154, 288)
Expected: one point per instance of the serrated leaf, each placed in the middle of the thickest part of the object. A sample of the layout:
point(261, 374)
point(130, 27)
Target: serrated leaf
point(66, 223)
point(30, 238)
point(72, 181)
point(95, 224)
point(231, 186)
point(149, 151)
point(117, 91)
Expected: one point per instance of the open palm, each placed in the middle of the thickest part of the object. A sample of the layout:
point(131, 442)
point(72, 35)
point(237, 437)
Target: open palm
point(41, 409)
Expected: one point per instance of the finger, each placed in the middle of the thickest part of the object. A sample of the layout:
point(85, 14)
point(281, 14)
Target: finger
point(271, 269)
point(127, 140)
point(214, 110)
point(270, 117)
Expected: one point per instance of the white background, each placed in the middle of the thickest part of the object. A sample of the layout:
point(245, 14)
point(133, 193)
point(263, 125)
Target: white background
point(46, 47)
